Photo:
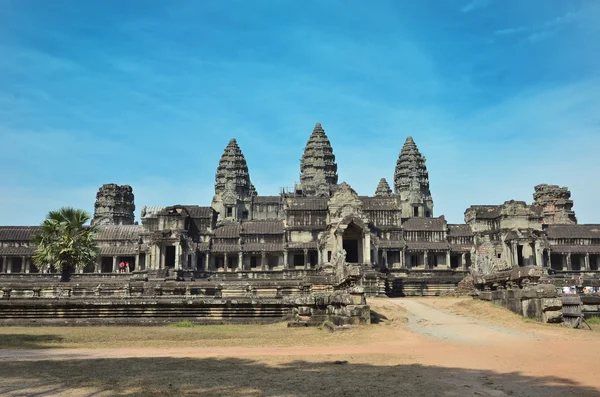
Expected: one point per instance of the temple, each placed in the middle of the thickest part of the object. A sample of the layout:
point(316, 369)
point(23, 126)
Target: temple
point(322, 226)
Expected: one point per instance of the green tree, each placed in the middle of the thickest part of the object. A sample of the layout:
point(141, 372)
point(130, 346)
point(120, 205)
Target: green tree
point(66, 242)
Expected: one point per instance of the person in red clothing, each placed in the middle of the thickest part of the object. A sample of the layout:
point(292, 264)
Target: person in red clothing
point(121, 267)
point(127, 267)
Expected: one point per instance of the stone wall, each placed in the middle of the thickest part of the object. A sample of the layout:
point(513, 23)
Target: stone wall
point(147, 303)
point(540, 302)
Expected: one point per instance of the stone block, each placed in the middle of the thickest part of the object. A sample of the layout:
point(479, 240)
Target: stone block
point(532, 308)
point(552, 316)
point(549, 304)
point(591, 308)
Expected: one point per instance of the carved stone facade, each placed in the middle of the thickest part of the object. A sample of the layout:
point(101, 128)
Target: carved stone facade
point(114, 205)
point(556, 203)
point(318, 169)
point(326, 227)
point(411, 181)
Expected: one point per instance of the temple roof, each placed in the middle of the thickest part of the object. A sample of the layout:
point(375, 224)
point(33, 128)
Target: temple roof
point(380, 203)
point(420, 224)
point(459, 231)
point(383, 189)
point(573, 231)
point(18, 233)
point(318, 169)
point(307, 203)
point(228, 230)
point(119, 232)
point(262, 227)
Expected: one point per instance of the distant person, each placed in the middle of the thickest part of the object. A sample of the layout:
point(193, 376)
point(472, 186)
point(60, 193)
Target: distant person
point(127, 267)
point(121, 267)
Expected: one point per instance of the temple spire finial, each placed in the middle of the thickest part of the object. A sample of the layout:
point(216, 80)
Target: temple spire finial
point(383, 189)
point(232, 181)
point(318, 169)
point(411, 181)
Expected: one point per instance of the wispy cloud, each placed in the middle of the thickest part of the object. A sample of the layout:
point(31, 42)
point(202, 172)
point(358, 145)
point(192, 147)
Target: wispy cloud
point(474, 5)
point(537, 32)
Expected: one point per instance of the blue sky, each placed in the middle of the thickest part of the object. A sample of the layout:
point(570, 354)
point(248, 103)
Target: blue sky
point(498, 95)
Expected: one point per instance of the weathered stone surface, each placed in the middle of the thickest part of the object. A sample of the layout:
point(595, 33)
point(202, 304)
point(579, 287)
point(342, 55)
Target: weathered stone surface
point(114, 205)
point(318, 169)
point(557, 207)
point(552, 316)
point(383, 189)
point(549, 304)
point(532, 308)
point(411, 180)
point(232, 173)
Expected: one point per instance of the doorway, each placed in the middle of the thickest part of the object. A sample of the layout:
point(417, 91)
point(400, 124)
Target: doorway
point(350, 242)
point(170, 256)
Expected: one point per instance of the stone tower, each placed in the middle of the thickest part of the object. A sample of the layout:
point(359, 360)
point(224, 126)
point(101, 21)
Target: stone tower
point(114, 205)
point(318, 169)
point(383, 189)
point(556, 204)
point(233, 189)
point(411, 182)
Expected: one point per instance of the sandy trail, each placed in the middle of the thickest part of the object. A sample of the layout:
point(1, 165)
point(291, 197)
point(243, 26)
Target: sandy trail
point(433, 322)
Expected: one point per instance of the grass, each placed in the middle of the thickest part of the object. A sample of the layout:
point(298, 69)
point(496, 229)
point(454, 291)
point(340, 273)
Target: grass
point(184, 324)
point(179, 334)
point(593, 320)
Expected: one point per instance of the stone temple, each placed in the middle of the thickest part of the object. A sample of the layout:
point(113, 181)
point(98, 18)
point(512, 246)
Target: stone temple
point(321, 226)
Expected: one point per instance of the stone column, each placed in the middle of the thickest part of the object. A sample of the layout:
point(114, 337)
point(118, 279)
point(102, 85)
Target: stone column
point(4, 264)
point(569, 264)
point(586, 263)
point(98, 265)
point(539, 258)
point(305, 252)
point(163, 256)
point(25, 265)
point(285, 259)
point(225, 262)
point(402, 258)
point(207, 265)
point(515, 254)
point(115, 268)
point(367, 249)
point(137, 262)
point(319, 257)
point(240, 262)
point(448, 259)
point(463, 261)
point(178, 254)
point(263, 261)
point(549, 258)
point(426, 259)
point(384, 258)
point(376, 261)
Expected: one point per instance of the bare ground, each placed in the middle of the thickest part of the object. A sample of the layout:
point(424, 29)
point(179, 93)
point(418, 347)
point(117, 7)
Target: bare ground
point(420, 347)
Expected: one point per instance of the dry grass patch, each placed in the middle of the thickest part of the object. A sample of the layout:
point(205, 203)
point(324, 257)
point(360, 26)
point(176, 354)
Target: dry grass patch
point(226, 335)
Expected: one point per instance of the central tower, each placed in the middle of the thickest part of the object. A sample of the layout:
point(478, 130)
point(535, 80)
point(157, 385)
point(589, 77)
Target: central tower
point(318, 169)
point(411, 182)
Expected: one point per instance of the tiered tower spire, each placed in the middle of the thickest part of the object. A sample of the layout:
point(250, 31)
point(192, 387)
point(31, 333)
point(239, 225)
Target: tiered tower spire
point(556, 203)
point(411, 181)
point(114, 205)
point(318, 169)
point(383, 189)
point(232, 183)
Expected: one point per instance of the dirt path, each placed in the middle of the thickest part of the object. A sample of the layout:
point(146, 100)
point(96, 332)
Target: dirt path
point(433, 322)
point(422, 347)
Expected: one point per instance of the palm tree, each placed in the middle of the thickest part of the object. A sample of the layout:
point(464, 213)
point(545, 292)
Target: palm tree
point(66, 242)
